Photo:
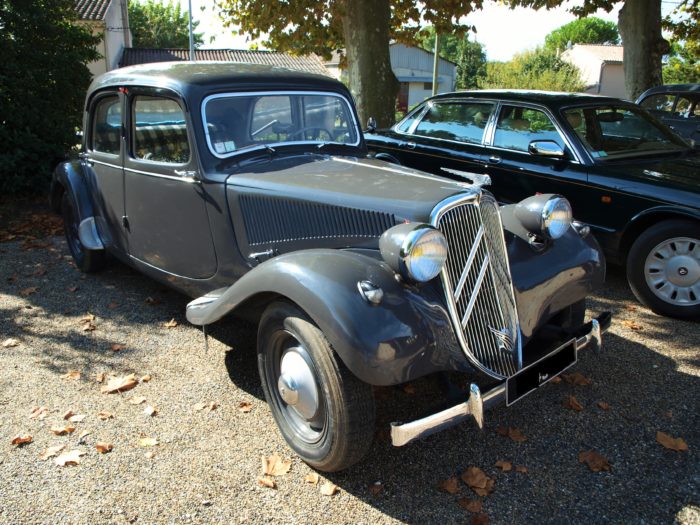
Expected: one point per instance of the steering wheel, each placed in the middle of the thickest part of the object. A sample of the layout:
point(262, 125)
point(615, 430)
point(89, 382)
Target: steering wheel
point(317, 129)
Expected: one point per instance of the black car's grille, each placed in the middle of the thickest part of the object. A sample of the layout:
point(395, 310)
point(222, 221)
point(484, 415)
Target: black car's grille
point(279, 220)
point(477, 283)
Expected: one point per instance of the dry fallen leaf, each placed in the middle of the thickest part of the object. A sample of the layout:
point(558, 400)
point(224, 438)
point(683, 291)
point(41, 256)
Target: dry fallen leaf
point(328, 488)
point(69, 458)
point(26, 292)
point(274, 465)
point(103, 447)
point(513, 433)
point(603, 405)
point(60, 431)
point(104, 415)
point(594, 460)
point(678, 444)
point(311, 478)
point(148, 442)
point(68, 414)
point(9, 343)
point(145, 379)
point(51, 452)
point(73, 375)
point(555, 380)
point(245, 407)
point(149, 455)
point(38, 413)
point(265, 481)
point(376, 488)
point(409, 388)
point(505, 466)
point(472, 505)
point(577, 378)
point(89, 327)
point(478, 481)
point(113, 305)
point(82, 436)
point(21, 439)
point(150, 411)
point(87, 318)
point(170, 324)
point(100, 377)
point(137, 400)
point(116, 347)
point(450, 485)
point(480, 519)
point(521, 468)
point(76, 418)
point(119, 384)
point(73, 289)
point(572, 403)
point(632, 325)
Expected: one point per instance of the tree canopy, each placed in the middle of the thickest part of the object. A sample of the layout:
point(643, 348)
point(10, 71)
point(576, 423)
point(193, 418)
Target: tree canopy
point(467, 54)
point(160, 25)
point(589, 30)
point(43, 79)
point(537, 69)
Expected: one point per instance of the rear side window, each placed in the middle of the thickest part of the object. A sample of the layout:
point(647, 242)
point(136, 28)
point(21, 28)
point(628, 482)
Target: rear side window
point(458, 121)
point(159, 130)
point(106, 125)
point(661, 102)
point(518, 126)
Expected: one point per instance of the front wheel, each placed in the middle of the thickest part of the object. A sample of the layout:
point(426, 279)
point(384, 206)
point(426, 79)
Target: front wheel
point(663, 268)
point(324, 412)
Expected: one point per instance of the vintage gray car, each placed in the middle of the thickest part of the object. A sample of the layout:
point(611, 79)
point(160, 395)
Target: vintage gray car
point(249, 189)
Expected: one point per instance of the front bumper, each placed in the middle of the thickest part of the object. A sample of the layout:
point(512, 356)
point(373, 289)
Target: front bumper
point(474, 406)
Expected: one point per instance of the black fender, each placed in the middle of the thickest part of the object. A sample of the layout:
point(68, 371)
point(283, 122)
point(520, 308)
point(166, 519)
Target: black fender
point(647, 218)
point(387, 157)
point(68, 176)
point(406, 336)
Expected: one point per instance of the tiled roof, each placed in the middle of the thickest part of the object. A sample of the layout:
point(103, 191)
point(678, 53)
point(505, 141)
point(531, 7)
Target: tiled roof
point(602, 52)
point(310, 63)
point(92, 9)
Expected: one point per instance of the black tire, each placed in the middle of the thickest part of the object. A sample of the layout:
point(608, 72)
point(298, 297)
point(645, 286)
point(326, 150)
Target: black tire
point(86, 260)
point(660, 273)
point(341, 428)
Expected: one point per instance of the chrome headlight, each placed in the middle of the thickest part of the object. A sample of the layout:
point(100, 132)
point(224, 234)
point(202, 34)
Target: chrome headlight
point(547, 214)
point(416, 251)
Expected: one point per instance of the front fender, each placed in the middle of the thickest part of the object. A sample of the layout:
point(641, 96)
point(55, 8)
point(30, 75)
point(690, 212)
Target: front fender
point(406, 336)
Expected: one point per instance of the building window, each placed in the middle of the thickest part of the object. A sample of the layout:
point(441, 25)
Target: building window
point(428, 86)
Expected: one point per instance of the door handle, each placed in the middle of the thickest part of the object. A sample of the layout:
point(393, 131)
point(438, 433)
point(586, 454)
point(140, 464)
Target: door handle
point(411, 145)
point(86, 159)
point(494, 159)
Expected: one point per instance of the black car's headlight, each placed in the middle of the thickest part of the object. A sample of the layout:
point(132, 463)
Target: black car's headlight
point(547, 214)
point(416, 251)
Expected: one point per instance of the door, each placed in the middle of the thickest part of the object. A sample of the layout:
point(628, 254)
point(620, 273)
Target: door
point(166, 218)
point(448, 135)
point(103, 160)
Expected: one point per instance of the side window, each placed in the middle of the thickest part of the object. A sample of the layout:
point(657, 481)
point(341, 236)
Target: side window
point(683, 107)
point(661, 102)
point(517, 127)
point(159, 131)
point(459, 121)
point(106, 125)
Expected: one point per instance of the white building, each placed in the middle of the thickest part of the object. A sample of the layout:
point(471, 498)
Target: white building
point(110, 20)
point(601, 68)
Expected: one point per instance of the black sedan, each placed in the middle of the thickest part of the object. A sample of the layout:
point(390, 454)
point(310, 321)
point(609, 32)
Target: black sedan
point(628, 176)
point(677, 106)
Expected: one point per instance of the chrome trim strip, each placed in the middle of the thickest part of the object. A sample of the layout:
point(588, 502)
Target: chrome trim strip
point(475, 292)
point(468, 264)
point(185, 179)
point(104, 163)
point(89, 237)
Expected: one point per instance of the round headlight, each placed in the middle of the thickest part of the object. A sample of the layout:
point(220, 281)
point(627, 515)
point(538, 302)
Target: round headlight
point(416, 251)
point(556, 217)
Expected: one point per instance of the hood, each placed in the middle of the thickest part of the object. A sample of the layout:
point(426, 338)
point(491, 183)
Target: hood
point(347, 182)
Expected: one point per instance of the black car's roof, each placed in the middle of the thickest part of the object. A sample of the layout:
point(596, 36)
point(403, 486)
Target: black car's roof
point(553, 99)
point(672, 88)
point(207, 76)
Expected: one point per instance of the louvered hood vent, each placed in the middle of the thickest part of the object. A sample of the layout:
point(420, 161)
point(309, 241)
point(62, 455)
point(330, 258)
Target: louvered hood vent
point(273, 220)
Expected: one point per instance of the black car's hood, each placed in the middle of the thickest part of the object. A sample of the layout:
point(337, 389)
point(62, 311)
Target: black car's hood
point(347, 182)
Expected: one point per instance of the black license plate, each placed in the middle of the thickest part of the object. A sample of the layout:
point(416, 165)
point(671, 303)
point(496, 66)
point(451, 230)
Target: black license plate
point(540, 372)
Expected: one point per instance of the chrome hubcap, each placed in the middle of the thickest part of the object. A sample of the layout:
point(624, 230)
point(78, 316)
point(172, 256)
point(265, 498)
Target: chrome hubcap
point(298, 390)
point(672, 271)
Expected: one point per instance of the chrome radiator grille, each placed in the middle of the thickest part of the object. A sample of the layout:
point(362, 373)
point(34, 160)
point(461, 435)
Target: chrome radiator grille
point(478, 285)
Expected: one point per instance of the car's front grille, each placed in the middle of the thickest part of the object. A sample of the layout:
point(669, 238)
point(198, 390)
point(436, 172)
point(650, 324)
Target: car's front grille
point(477, 283)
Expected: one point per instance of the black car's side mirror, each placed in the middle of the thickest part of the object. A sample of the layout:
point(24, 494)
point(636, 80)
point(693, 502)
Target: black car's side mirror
point(546, 148)
point(371, 125)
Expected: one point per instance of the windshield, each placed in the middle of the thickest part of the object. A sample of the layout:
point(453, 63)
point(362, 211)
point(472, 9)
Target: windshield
point(235, 122)
point(611, 132)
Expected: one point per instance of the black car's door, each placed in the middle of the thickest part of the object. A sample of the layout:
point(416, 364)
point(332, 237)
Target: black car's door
point(446, 134)
point(516, 173)
point(167, 221)
point(103, 162)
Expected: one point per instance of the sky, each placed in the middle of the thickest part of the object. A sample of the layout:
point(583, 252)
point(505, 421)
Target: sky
point(502, 31)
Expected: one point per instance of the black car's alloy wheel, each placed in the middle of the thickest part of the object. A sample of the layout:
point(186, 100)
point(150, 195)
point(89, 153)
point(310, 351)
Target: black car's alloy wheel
point(663, 268)
point(324, 412)
point(85, 259)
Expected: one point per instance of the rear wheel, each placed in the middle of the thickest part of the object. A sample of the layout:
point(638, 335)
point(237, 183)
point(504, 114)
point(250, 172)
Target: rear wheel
point(324, 412)
point(663, 268)
point(85, 259)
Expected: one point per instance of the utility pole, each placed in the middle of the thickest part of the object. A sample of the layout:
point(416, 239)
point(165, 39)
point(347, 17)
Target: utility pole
point(436, 60)
point(191, 35)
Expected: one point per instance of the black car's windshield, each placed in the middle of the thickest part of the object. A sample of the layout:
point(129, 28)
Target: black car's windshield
point(610, 132)
point(235, 122)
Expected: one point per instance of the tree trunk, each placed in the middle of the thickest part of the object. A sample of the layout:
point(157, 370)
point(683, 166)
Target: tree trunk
point(639, 23)
point(372, 82)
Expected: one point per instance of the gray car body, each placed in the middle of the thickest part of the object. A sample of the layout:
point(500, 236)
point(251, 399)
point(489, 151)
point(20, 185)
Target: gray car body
point(303, 225)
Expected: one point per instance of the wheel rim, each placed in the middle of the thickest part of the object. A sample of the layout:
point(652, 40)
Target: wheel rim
point(672, 271)
point(294, 386)
point(71, 227)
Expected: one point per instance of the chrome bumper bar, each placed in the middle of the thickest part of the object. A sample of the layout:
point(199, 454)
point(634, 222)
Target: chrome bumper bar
point(404, 433)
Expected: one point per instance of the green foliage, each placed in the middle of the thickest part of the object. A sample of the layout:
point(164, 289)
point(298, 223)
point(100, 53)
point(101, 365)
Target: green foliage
point(589, 30)
point(450, 44)
point(683, 65)
point(43, 79)
point(468, 55)
point(538, 69)
point(159, 25)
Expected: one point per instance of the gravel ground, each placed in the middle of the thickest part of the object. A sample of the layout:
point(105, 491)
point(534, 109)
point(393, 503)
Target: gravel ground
point(207, 462)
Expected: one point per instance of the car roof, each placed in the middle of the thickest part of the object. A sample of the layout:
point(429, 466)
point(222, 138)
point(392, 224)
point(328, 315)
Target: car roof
point(184, 77)
point(671, 88)
point(547, 98)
